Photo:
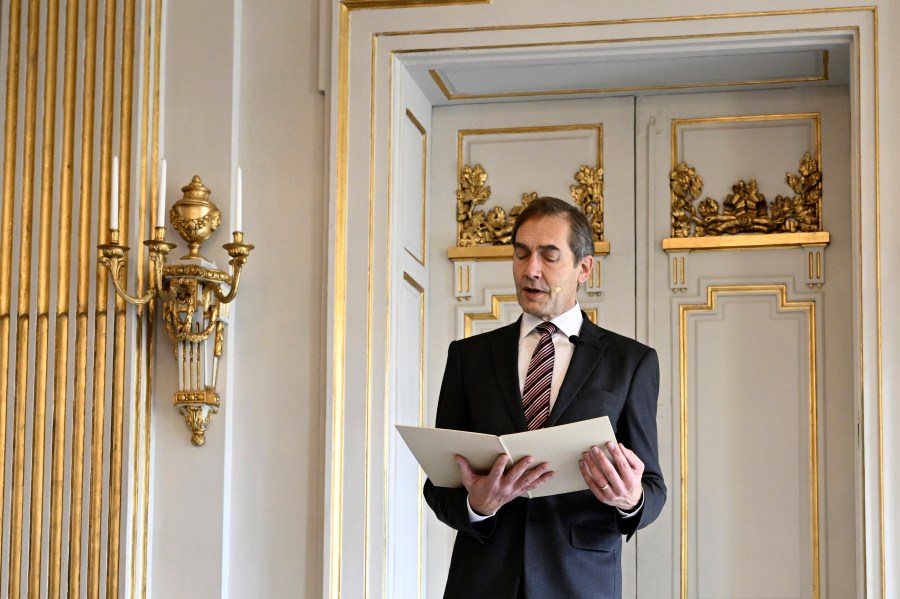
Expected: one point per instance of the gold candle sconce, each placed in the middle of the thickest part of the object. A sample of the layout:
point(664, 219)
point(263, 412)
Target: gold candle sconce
point(194, 293)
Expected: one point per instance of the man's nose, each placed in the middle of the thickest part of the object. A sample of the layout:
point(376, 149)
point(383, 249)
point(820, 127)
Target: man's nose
point(533, 267)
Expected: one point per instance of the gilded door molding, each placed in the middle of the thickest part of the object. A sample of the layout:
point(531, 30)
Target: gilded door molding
point(685, 312)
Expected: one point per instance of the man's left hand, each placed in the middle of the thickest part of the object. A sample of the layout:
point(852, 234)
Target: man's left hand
point(617, 482)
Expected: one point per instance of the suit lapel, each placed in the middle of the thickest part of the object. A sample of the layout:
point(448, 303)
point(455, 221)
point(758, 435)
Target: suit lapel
point(505, 352)
point(587, 354)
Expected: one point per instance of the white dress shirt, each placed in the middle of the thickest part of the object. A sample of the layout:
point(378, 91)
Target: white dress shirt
point(569, 324)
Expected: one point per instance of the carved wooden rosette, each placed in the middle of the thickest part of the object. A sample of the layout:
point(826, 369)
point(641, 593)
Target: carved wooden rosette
point(475, 227)
point(746, 210)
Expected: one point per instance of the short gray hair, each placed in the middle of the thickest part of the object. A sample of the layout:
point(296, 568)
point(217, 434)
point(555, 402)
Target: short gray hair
point(581, 237)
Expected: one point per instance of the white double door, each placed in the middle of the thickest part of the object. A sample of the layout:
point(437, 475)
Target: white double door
point(756, 418)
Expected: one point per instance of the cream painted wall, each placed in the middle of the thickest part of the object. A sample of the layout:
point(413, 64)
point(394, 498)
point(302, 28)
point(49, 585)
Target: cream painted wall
point(889, 125)
point(278, 462)
point(243, 516)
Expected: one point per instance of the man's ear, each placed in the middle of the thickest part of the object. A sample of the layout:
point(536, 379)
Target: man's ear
point(584, 268)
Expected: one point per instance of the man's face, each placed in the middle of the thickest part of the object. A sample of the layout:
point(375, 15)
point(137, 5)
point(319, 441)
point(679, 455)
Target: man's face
point(544, 267)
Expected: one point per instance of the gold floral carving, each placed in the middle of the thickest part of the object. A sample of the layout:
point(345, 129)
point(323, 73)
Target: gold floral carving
point(475, 227)
point(746, 210)
point(589, 195)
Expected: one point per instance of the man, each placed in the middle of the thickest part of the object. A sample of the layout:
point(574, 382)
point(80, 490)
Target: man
point(568, 545)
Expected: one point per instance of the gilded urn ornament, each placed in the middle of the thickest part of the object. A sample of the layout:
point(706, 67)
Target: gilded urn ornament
point(195, 217)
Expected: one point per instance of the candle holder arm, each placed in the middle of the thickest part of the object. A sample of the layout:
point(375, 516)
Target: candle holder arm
point(239, 253)
point(113, 260)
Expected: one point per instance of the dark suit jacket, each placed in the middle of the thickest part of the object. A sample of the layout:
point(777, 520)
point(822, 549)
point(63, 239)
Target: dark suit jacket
point(568, 545)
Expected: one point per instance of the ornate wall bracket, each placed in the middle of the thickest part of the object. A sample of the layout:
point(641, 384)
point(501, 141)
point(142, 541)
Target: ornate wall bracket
point(487, 236)
point(745, 220)
point(198, 408)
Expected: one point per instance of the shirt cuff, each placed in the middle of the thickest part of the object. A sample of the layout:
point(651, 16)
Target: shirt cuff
point(634, 512)
point(475, 518)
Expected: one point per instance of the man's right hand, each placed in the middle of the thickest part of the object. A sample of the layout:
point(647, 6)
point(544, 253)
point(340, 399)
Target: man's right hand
point(489, 492)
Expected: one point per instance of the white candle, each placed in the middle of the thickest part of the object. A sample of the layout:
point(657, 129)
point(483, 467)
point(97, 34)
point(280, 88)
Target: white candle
point(161, 195)
point(114, 195)
point(238, 201)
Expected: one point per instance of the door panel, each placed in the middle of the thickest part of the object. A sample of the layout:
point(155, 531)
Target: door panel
point(756, 405)
point(523, 148)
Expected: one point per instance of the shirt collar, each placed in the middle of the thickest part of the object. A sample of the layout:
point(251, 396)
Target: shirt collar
point(569, 322)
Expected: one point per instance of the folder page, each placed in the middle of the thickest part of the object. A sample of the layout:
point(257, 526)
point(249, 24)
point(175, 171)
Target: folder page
point(561, 447)
point(435, 448)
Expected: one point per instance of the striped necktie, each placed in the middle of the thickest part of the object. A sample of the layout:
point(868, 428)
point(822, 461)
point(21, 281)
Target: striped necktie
point(536, 391)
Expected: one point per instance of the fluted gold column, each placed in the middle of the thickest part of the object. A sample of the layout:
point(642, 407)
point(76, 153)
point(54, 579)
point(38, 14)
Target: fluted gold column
point(64, 264)
point(53, 544)
point(6, 228)
point(86, 258)
point(98, 411)
point(42, 329)
point(118, 385)
point(143, 334)
point(23, 315)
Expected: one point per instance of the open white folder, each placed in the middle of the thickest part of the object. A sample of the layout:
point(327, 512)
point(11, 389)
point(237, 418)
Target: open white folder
point(560, 446)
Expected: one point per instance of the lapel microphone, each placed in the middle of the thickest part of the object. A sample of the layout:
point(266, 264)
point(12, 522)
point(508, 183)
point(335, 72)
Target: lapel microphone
point(575, 340)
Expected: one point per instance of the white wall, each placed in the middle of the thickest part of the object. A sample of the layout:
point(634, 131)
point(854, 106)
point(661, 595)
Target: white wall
point(889, 50)
point(244, 518)
point(278, 482)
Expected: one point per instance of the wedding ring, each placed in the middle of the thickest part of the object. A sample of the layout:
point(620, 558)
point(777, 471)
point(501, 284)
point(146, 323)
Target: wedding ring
point(604, 487)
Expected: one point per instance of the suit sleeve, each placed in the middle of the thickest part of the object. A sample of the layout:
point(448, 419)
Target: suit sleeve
point(449, 505)
point(637, 431)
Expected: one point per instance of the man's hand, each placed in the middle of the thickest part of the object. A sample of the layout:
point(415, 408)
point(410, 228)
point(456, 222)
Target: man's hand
point(489, 492)
point(616, 483)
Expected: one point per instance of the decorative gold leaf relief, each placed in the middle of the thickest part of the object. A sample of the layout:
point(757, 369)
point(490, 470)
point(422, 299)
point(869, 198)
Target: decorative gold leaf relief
point(475, 227)
point(746, 210)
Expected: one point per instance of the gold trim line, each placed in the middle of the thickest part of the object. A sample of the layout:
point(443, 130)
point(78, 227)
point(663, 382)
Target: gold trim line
point(668, 19)
point(340, 306)
point(373, 4)
point(418, 125)
point(780, 291)
point(746, 241)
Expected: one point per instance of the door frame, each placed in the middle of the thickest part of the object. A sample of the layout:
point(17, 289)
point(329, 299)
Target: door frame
point(368, 53)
